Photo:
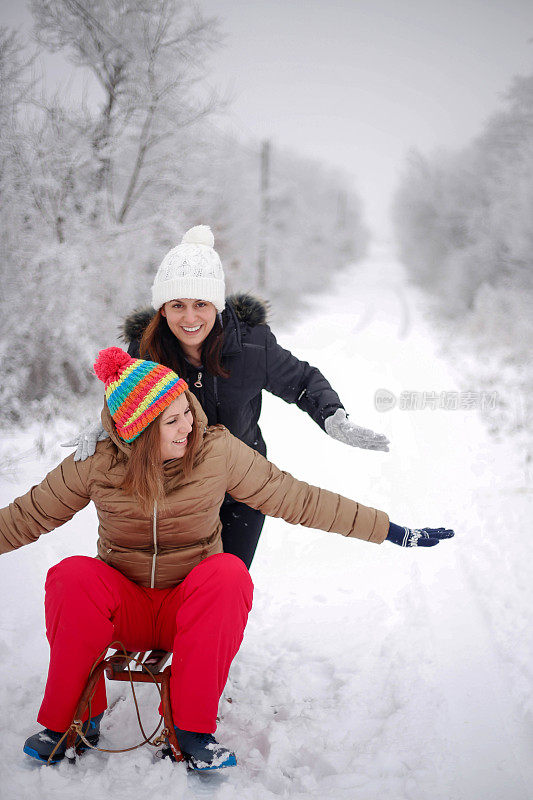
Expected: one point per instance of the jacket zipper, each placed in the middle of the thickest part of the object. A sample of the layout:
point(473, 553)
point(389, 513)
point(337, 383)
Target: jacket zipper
point(154, 531)
point(215, 390)
point(198, 382)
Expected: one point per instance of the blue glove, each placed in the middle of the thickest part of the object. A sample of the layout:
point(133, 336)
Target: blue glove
point(417, 537)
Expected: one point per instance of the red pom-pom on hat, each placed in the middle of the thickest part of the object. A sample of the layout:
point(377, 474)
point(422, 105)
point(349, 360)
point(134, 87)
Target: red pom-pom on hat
point(110, 362)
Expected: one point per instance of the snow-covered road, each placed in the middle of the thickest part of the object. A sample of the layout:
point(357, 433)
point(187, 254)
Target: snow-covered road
point(366, 672)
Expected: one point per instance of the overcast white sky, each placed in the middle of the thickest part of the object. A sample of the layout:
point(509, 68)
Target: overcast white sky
point(357, 82)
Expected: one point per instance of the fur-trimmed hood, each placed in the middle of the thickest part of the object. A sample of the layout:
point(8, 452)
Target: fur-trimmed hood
point(247, 308)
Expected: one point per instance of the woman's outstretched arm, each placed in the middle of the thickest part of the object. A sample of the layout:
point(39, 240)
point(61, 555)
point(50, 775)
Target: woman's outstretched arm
point(254, 480)
point(298, 382)
point(51, 503)
point(257, 482)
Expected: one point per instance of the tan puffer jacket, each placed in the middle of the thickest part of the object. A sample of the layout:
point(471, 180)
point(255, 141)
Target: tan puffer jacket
point(161, 549)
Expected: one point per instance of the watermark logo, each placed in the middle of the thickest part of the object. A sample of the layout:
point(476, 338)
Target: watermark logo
point(385, 400)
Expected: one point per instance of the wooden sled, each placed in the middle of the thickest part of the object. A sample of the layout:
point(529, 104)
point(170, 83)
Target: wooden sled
point(124, 665)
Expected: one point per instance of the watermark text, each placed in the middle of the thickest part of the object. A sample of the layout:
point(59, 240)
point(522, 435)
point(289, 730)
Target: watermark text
point(410, 400)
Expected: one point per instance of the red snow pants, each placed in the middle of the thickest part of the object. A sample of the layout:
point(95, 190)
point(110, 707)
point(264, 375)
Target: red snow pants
point(88, 605)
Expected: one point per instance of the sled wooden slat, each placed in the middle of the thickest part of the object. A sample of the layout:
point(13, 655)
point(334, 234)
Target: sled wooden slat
point(154, 661)
point(119, 664)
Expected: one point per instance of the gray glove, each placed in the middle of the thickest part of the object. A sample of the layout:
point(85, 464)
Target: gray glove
point(338, 426)
point(85, 441)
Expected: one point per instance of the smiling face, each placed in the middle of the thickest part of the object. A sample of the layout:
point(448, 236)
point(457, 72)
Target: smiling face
point(175, 425)
point(190, 321)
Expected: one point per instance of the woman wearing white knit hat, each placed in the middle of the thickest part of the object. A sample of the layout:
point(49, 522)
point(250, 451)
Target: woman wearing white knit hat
point(227, 354)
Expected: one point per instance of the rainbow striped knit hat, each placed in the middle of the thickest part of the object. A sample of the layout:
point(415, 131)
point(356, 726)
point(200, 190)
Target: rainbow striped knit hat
point(136, 391)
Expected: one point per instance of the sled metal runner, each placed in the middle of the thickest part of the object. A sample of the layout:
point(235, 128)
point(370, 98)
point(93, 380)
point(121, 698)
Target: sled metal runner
point(134, 667)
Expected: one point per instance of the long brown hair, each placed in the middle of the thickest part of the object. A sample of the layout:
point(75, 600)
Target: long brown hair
point(145, 477)
point(159, 344)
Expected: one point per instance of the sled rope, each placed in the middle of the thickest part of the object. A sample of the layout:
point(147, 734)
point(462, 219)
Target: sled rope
point(77, 724)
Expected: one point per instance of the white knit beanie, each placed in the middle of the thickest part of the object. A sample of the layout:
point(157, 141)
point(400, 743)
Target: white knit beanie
point(191, 270)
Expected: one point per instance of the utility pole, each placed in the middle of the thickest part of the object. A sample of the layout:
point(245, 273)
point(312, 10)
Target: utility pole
point(264, 215)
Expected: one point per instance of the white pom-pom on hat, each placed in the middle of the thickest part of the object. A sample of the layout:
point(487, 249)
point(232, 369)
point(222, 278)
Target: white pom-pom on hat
point(200, 234)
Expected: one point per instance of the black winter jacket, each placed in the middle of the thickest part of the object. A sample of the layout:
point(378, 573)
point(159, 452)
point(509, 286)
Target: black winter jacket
point(255, 362)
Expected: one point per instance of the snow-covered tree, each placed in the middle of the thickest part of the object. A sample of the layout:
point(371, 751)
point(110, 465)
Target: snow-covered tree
point(148, 60)
point(463, 222)
point(93, 196)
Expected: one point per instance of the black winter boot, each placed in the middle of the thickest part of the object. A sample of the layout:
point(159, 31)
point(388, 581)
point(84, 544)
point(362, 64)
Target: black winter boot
point(42, 744)
point(202, 752)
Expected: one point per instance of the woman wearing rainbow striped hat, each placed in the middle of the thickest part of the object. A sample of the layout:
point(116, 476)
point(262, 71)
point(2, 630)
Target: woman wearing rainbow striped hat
point(160, 578)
